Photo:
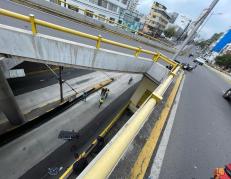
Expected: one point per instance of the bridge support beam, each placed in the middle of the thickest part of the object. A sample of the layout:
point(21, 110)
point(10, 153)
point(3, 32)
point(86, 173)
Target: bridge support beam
point(8, 104)
point(145, 89)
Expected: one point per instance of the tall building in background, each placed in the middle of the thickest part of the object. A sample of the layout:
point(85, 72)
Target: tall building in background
point(110, 9)
point(157, 20)
point(182, 21)
point(173, 16)
point(132, 5)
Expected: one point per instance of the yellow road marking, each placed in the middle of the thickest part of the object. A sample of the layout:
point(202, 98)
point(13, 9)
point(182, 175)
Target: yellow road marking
point(139, 169)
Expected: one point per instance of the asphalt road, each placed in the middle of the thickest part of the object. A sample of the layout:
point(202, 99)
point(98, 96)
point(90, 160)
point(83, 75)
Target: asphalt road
point(64, 155)
point(38, 78)
point(200, 138)
point(6, 4)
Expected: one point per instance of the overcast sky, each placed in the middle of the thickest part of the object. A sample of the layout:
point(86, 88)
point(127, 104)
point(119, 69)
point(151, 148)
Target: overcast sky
point(192, 8)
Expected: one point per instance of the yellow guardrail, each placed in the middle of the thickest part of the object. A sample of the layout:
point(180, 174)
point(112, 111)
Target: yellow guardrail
point(104, 163)
point(34, 22)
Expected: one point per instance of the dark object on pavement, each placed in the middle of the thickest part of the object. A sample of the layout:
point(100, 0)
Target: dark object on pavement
point(130, 80)
point(169, 67)
point(99, 146)
point(227, 94)
point(191, 55)
point(79, 165)
point(54, 171)
point(187, 67)
point(68, 135)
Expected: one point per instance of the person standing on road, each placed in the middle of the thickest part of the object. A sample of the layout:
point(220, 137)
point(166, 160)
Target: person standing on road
point(106, 93)
point(130, 80)
point(103, 91)
point(84, 96)
point(101, 100)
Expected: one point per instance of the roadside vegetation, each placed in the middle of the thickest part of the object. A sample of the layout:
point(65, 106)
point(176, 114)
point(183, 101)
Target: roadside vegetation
point(224, 61)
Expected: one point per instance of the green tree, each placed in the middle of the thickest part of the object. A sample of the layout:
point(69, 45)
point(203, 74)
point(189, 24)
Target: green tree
point(206, 43)
point(170, 32)
point(224, 61)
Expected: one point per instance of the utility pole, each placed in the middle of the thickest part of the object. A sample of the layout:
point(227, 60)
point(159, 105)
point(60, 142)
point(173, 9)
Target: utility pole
point(185, 30)
point(197, 26)
point(61, 83)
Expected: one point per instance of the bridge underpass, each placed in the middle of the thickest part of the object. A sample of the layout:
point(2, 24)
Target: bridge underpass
point(50, 50)
point(138, 64)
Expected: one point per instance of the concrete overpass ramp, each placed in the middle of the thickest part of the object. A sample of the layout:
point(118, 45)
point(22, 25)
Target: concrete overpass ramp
point(51, 50)
point(31, 46)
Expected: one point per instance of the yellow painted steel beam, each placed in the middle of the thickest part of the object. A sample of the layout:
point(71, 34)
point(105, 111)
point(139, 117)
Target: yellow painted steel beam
point(104, 163)
point(14, 15)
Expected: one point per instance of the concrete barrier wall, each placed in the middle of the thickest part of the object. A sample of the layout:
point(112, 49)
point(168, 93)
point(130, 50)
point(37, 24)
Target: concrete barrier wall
point(46, 49)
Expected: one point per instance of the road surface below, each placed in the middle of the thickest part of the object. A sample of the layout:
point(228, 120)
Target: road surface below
point(200, 138)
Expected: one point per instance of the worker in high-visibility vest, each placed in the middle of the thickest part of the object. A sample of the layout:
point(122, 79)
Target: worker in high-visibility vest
point(101, 100)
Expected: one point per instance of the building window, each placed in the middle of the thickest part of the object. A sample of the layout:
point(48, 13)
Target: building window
point(112, 7)
point(112, 20)
point(101, 17)
point(94, 1)
point(89, 13)
point(102, 3)
point(125, 2)
point(74, 8)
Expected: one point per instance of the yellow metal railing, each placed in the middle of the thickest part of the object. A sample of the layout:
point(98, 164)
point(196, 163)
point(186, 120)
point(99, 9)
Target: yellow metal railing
point(104, 163)
point(86, 12)
point(34, 22)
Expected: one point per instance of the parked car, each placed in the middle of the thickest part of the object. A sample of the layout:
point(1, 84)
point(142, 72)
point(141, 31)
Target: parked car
point(227, 94)
point(199, 61)
point(223, 173)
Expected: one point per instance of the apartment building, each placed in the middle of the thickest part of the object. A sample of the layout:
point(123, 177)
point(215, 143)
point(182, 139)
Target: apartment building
point(110, 9)
point(157, 20)
point(132, 5)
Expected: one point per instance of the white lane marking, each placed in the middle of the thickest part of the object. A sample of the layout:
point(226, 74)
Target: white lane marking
point(158, 160)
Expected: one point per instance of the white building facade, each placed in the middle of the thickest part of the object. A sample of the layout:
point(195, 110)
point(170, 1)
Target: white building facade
point(132, 5)
point(157, 19)
point(109, 9)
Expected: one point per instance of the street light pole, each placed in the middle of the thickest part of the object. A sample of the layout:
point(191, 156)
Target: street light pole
point(197, 26)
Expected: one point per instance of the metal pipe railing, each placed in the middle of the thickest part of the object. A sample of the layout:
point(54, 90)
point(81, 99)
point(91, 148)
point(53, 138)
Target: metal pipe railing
point(34, 22)
point(104, 163)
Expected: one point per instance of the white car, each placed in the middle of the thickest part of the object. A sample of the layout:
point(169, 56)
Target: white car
point(199, 60)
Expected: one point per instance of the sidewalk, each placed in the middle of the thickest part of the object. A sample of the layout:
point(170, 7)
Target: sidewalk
point(34, 146)
point(225, 76)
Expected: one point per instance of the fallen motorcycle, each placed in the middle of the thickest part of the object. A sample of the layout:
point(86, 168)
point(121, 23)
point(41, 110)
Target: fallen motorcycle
point(187, 67)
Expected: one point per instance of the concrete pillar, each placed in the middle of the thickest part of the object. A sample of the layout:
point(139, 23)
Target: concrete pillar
point(145, 88)
point(8, 104)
